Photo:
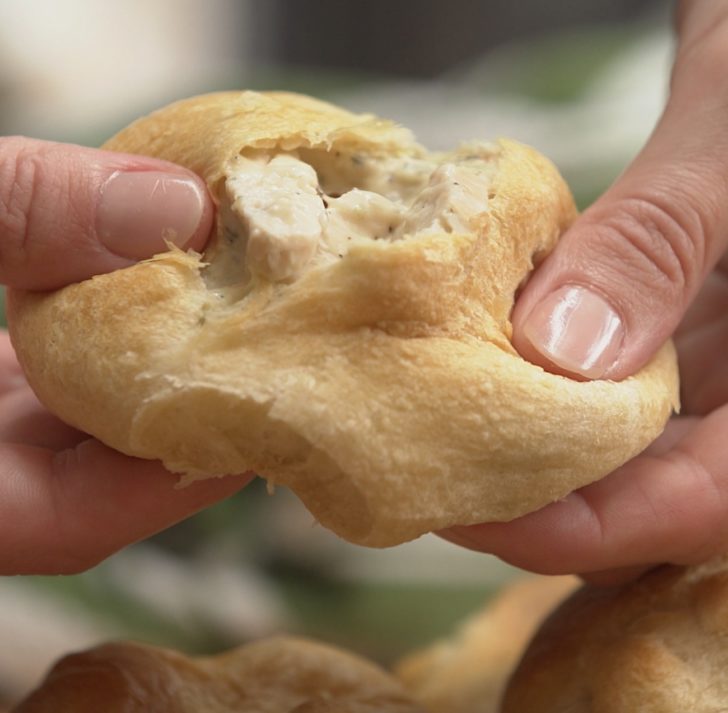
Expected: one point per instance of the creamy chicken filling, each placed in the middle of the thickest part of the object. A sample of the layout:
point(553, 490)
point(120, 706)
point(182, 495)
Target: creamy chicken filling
point(289, 212)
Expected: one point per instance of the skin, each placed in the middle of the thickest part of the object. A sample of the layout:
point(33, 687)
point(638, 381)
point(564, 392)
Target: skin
point(651, 246)
point(66, 500)
point(654, 247)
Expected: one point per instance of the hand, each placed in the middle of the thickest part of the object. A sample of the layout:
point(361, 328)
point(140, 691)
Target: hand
point(66, 213)
point(617, 286)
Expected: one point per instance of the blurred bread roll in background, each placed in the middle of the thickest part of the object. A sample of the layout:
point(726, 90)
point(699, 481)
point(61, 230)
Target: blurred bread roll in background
point(656, 645)
point(278, 675)
point(346, 333)
point(468, 671)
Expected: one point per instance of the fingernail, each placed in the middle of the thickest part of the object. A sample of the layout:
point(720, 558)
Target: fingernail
point(140, 211)
point(577, 330)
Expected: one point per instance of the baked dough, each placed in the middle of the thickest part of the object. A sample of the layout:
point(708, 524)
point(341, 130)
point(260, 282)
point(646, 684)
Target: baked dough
point(468, 671)
point(373, 375)
point(278, 675)
point(657, 645)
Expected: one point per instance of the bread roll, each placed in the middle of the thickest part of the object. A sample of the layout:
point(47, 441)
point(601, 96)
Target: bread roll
point(467, 672)
point(347, 332)
point(657, 645)
point(279, 675)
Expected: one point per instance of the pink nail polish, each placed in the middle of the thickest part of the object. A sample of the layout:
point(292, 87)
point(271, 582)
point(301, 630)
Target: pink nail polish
point(140, 211)
point(577, 330)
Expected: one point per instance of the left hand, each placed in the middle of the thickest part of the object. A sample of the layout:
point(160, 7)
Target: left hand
point(66, 213)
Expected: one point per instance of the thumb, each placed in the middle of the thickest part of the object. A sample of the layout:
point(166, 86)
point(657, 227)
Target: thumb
point(69, 212)
point(619, 281)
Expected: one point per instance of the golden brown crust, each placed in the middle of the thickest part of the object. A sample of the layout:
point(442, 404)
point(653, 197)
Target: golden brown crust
point(657, 645)
point(279, 675)
point(383, 388)
point(203, 133)
point(467, 672)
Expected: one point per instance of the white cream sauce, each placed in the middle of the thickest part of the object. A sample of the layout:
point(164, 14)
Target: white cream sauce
point(288, 212)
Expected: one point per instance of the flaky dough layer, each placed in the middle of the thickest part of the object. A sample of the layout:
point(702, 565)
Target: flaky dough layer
point(382, 387)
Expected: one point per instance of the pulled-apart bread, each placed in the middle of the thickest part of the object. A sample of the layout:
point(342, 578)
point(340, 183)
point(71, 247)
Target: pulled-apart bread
point(657, 645)
point(278, 675)
point(346, 333)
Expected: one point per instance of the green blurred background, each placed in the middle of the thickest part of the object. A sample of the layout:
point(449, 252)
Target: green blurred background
point(582, 81)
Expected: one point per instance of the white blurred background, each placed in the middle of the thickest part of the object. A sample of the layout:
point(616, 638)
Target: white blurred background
point(78, 66)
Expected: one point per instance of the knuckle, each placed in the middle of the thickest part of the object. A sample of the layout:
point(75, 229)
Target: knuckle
point(657, 242)
point(21, 174)
point(43, 204)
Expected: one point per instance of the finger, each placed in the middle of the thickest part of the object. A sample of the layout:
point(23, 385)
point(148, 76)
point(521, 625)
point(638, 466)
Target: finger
point(619, 281)
point(68, 212)
point(704, 366)
point(24, 421)
point(22, 418)
point(65, 513)
point(675, 430)
point(667, 508)
point(11, 374)
point(615, 577)
point(710, 305)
